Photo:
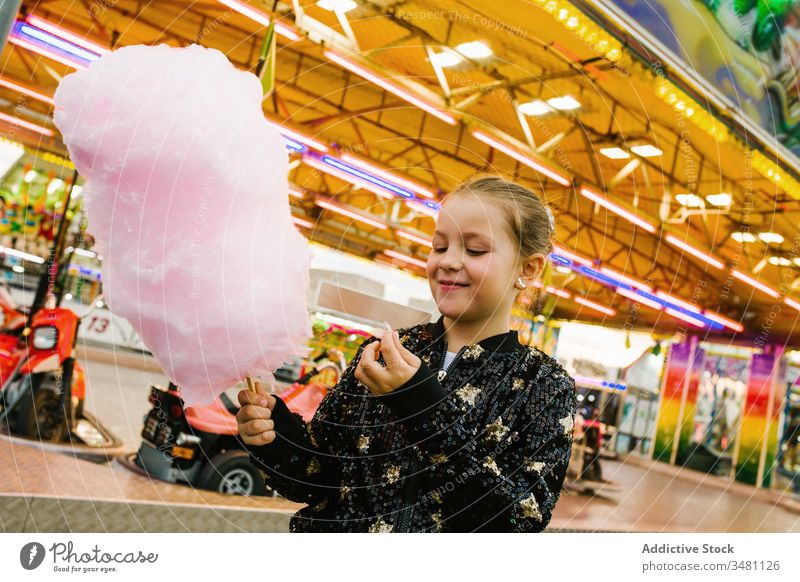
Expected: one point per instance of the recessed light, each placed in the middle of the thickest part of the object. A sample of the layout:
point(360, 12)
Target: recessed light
point(341, 5)
point(719, 199)
point(537, 107)
point(690, 200)
point(770, 237)
point(474, 50)
point(779, 261)
point(446, 59)
point(563, 269)
point(743, 237)
point(30, 176)
point(565, 103)
point(646, 151)
point(615, 153)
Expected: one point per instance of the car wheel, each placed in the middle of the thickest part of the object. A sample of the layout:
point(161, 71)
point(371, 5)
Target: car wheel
point(233, 474)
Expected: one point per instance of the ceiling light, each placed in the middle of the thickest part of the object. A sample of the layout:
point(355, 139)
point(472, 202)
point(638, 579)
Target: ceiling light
point(646, 151)
point(566, 103)
point(743, 237)
point(446, 59)
point(354, 214)
point(405, 258)
point(55, 185)
point(615, 153)
point(719, 199)
point(30, 176)
point(595, 306)
point(754, 283)
point(693, 251)
point(474, 50)
point(779, 261)
point(629, 216)
point(520, 157)
point(535, 108)
point(8, 84)
point(690, 200)
point(340, 5)
point(16, 121)
point(770, 237)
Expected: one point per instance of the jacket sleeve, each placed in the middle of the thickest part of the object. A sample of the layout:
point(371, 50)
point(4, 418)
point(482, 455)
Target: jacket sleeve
point(501, 475)
point(301, 463)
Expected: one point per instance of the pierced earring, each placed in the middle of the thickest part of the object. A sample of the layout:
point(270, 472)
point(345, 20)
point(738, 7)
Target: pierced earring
point(520, 284)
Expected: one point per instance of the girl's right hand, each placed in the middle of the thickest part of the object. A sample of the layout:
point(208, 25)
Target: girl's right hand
point(254, 417)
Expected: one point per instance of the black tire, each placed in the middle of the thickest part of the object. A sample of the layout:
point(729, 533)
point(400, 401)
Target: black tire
point(39, 414)
point(232, 473)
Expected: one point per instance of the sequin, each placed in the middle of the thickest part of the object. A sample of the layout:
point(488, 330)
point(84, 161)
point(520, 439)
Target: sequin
point(313, 467)
point(363, 443)
point(491, 464)
point(532, 466)
point(380, 526)
point(392, 474)
point(530, 508)
point(518, 384)
point(567, 423)
point(468, 393)
point(472, 353)
point(496, 431)
point(344, 491)
point(438, 458)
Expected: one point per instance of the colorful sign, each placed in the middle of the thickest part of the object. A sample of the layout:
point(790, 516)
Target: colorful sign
point(673, 393)
point(756, 448)
point(748, 50)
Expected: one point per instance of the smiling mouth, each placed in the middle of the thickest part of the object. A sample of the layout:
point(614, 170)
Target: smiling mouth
point(451, 285)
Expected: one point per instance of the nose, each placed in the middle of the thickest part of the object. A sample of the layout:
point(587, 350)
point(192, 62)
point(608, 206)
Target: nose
point(452, 260)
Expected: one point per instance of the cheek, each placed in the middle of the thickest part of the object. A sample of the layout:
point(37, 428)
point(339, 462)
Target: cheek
point(431, 266)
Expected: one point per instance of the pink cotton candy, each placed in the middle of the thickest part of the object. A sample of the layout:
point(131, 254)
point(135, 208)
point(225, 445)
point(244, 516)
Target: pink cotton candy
point(187, 198)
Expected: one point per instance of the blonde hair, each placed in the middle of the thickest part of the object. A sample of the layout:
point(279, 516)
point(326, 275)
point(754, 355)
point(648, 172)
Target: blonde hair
point(531, 221)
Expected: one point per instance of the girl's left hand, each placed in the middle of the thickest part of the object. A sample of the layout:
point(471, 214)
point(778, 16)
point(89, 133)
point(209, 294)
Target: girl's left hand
point(401, 365)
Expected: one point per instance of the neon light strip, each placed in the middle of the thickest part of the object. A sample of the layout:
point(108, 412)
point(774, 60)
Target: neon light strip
point(386, 175)
point(595, 306)
point(297, 136)
point(429, 208)
point(26, 91)
point(296, 193)
point(339, 165)
point(414, 237)
point(695, 252)
point(259, 17)
point(40, 50)
point(685, 317)
point(27, 125)
point(633, 296)
point(628, 280)
point(405, 258)
point(576, 258)
point(318, 164)
point(600, 277)
point(724, 321)
point(390, 87)
point(292, 145)
point(520, 157)
point(351, 214)
point(629, 216)
point(302, 222)
point(792, 303)
point(676, 301)
point(559, 292)
point(66, 35)
point(752, 282)
point(56, 42)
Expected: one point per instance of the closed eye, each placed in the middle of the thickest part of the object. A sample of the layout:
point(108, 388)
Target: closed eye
point(475, 252)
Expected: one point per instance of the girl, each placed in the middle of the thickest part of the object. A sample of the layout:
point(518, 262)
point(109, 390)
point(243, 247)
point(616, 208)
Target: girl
point(452, 426)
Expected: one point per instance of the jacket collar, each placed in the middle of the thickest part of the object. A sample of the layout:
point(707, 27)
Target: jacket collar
point(504, 342)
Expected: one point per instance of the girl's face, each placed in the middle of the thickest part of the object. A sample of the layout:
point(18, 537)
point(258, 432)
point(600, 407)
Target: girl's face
point(474, 261)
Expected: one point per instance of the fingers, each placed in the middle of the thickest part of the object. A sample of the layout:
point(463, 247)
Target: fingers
point(407, 356)
point(250, 412)
point(256, 427)
point(389, 350)
point(256, 398)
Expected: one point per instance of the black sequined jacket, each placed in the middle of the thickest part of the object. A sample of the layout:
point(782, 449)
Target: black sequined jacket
point(481, 447)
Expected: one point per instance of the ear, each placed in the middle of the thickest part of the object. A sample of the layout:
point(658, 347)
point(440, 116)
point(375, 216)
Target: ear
point(531, 267)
